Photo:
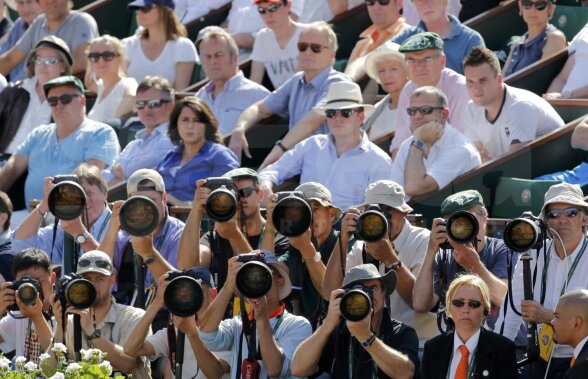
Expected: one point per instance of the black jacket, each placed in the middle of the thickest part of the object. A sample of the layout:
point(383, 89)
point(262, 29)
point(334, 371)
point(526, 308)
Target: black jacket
point(580, 368)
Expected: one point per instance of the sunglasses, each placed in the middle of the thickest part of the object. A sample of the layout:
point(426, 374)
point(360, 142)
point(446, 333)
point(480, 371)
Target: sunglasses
point(271, 9)
point(568, 212)
point(458, 303)
point(314, 47)
point(151, 104)
point(381, 2)
point(48, 61)
point(147, 8)
point(107, 56)
point(247, 191)
point(100, 263)
point(424, 110)
point(65, 99)
point(345, 113)
point(539, 5)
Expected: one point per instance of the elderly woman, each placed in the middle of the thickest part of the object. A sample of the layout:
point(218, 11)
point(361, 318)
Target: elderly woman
point(200, 153)
point(541, 39)
point(470, 351)
point(387, 67)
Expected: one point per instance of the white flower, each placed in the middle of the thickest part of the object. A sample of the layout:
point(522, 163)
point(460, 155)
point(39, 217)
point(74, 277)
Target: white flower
point(72, 367)
point(20, 359)
point(44, 356)
point(106, 366)
point(4, 363)
point(59, 348)
point(58, 375)
point(30, 366)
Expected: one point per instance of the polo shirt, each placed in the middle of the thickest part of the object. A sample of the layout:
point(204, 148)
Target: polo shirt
point(371, 38)
point(18, 30)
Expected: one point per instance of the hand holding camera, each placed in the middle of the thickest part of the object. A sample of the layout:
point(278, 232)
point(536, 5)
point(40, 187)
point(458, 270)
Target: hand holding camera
point(438, 235)
point(334, 313)
point(200, 196)
point(26, 295)
point(6, 297)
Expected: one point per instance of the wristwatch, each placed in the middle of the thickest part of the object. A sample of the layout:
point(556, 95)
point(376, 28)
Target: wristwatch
point(96, 334)
point(317, 257)
point(81, 239)
point(369, 341)
point(567, 94)
point(418, 144)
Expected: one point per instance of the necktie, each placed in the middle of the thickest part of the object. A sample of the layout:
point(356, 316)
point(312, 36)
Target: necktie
point(572, 362)
point(462, 367)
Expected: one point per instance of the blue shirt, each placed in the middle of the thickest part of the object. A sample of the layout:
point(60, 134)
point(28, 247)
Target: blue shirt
point(143, 152)
point(17, 31)
point(526, 52)
point(48, 156)
point(295, 98)
point(238, 94)
point(457, 45)
point(213, 159)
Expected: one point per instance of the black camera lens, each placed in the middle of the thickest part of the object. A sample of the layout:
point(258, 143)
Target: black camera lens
point(521, 234)
point(355, 305)
point(183, 296)
point(462, 227)
point(221, 205)
point(80, 293)
point(292, 215)
point(67, 200)
point(371, 226)
point(27, 293)
point(254, 279)
point(139, 216)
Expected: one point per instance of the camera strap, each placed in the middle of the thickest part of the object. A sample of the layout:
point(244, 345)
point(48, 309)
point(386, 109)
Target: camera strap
point(55, 223)
point(570, 273)
point(173, 342)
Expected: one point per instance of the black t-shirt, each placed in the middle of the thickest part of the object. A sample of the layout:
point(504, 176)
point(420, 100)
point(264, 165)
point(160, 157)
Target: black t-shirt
point(6, 256)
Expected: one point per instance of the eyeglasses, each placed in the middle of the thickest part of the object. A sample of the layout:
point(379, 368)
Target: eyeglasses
point(147, 8)
point(381, 2)
point(568, 212)
point(314, 47)
point(100, 263)
point(345, 113)
point(539, 5)
point(458, 303)
point(107, 56)
point(50, 61)
point(424, 110)
point(247, 191)
point(65, 99)
point(271, 9)
point(427, 60)
point(151, 104)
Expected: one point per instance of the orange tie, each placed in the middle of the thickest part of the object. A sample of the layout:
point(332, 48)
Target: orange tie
point(572, 362)
point(462, 367)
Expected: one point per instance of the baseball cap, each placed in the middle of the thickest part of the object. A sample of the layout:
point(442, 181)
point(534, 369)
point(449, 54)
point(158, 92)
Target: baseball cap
point(272, 260)
point(145, 3)
point(95, 261)
point(422, 41)
point(241, 172)
point(368, 271)
point(145, 174)
point(388, 193)
point(460, 201)
point(68, 80)
point(319, 193)
point(201, 274)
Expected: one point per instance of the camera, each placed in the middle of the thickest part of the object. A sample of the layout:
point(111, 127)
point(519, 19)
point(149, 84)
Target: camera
point(525, 233)
point(183, 296)
point(26, 289)
point(292, 216)
point(462, 227)
point(372, 224)
point(356, 302)
point(254, 279)
point(221, 204)
point(67, 199)
point(76, 291)
point(139, 216)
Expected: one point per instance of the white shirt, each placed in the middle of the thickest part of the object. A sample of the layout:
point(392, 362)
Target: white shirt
point(579, 347)
point(189, 10)
point(319, 10)
point(579, 47)
point(412, 17)
point(104, 110)
point(471, 344)
point(384, 123)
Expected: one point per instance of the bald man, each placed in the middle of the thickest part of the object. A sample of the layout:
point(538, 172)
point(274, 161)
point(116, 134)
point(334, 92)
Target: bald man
point(570, 323)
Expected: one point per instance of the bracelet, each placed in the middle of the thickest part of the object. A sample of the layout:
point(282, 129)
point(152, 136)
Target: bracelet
point(38, 209)
point(394, 266)
point(150, 260)
point(271, 230)
point(367, 343)
point(281, 145)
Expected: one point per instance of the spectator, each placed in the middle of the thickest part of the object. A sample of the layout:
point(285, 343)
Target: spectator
point(458, 39)
point(472, 8)
point(386, 23)
point(199, 152)
point(5, 23)
point(28, 333)
point(106, 325)
point(27, 11)
point(197, 358)
point(146, 53)
point(296, 98)
point(106, 75)
point(437, 153)
point(410, 13)
point(30, 232)
point(386, 65)
point(76, 28)
point(278, 331)
point(501, 118)
point(24, 105)
point(58, 148)
point(274, 49)
point(6, 251)
point(154, 102)
point(228, 93)
point(426, 67)
point(565, 214)
point(377, 346)
point(471, 350)
point(541, 39)
point(344, 161)
point(317, 11)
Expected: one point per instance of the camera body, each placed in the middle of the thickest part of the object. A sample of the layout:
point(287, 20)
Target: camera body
point(67, 199)
point(221, 204)
point(372, 224)
point(254, 278)
point(26, 289)
point(462, 227)
point(259, 257)
point(356, 302)
point(292, 215)
point(66, 178)
point(184, 295)
point(73, 290)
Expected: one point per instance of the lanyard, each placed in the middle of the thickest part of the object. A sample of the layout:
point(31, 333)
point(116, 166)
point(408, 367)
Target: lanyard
point(471, 365)
point(102, 227)
point(350, 363)
point(570, 273)
point(160, 242)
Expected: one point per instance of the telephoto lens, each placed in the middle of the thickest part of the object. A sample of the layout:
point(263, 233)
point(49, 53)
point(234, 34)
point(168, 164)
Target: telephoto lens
point(254, 278)
point(139, 216)
point(462, 227)
point(221, 204)
point(372, 224)
point(356, 303)
point(67, 199)
point(26, 289)
point(524, 233)
point(73, 290)
point(292, 216)
point(183, 296)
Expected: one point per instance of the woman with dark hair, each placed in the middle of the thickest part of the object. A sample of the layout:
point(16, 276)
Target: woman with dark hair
point(200, 153)
point(161, 47)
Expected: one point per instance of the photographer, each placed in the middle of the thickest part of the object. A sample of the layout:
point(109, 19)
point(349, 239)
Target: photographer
point(199, 362)
point(243, 233)
point(278, 331)
point(381, 347)
point(30, 334)
point(87, 230)
point(106, 325)
point(402, 249)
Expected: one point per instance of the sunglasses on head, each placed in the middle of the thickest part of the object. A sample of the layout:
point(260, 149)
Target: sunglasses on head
point(247, 191)
point(568, 212)
point(314, 47)
point(458, 303)
point(50, 61)
point(107, 56)
point(424, 110)
point(271, 9)
point(345, 113)
point(539, 5)
point(151, 104)
point(147, 8)
point(381, 2)
point(65, 99)
point(100, 263)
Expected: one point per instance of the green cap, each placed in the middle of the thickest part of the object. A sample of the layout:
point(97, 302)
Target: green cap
point(69, 80)
point(242, 172)
point(422, 41)
point(460, 201)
